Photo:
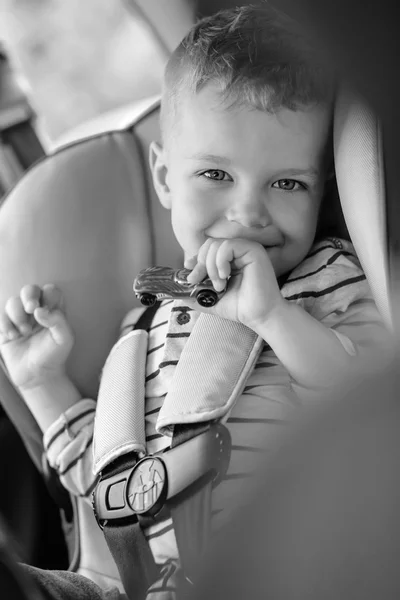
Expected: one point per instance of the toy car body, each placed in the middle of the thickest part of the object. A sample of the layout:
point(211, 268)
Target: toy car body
point(158, 283)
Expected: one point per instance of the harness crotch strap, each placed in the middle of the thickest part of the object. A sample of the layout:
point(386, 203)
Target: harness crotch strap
point(132, 493)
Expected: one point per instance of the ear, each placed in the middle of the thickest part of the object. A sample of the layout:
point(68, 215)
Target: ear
point(159, 171)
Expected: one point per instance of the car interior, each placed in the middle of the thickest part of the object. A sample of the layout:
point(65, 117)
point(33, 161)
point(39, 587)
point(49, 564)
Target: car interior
point(95, 188)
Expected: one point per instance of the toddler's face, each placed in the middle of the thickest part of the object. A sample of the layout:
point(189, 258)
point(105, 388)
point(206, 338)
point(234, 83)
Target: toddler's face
point(243, 173)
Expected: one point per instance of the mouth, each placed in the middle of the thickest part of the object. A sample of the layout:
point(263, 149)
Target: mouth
point(267, 239)
point(270, 246)
point(251, 238)
point(265, 245)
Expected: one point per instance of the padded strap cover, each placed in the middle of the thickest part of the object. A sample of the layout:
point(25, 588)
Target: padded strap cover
point(119, 422)
point(218, 356)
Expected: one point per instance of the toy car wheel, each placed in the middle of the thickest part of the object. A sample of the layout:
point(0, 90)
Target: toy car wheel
point(207, 298)
point(148, 299)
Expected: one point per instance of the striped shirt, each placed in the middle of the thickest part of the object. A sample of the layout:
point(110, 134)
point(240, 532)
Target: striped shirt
point(330, 285)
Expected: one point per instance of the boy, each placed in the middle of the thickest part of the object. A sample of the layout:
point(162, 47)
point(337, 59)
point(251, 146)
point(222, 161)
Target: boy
point(246, 122)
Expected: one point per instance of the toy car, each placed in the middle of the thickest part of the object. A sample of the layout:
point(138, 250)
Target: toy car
point(158, 283)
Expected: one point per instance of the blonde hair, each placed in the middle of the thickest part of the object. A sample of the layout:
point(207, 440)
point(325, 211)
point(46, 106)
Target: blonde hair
point(257, 55)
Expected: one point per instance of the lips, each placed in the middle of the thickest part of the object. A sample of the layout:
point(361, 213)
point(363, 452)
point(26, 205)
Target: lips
point(267, 243)
point(265, 237)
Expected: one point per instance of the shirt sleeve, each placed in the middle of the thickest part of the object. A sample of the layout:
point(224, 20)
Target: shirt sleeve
point(332, 287)
point(348, 308)
point(360, 328)
point(68, 442)
point(68, 446)
point(362, 334)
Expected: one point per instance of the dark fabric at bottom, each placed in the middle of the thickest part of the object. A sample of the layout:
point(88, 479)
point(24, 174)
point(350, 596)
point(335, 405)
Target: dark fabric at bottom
point(65, 585)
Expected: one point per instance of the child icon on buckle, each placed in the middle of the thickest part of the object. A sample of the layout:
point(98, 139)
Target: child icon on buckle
point(147, 486)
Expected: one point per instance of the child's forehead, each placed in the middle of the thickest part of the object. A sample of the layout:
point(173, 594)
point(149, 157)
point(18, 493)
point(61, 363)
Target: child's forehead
point(209, 120)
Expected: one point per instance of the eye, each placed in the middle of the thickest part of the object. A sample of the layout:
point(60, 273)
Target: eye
point(289, 185)
point(216, 175)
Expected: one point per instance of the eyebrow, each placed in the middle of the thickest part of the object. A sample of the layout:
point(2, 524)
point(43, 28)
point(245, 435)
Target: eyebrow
point(222, 160)
point(311, 172)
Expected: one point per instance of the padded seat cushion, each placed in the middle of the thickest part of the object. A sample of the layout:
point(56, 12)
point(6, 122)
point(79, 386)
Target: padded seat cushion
point(82, 218)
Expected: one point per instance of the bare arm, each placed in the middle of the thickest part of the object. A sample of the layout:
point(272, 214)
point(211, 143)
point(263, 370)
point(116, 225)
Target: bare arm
point(50, 399)
point(311, 352)
point(317, 353)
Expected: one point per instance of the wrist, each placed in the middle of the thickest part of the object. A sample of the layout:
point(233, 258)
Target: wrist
point(48, 379)
point(273, 320)
point(49, 397)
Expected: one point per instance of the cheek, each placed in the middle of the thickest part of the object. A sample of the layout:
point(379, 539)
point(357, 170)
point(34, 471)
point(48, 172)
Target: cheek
point(298, 219)
point(195, 208)
point(190, 217)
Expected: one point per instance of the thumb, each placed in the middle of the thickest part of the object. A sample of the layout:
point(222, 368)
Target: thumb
point(56, 322)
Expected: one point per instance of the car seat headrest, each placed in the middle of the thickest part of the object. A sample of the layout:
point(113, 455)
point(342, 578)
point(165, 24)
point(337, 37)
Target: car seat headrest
point(360, 179)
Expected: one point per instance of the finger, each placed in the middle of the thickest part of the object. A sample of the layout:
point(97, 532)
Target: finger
point(17, 315)
point(55, 321)
point(223, 260)
point(202, 254)
point(200, 271)
point(198, 274)
point(52, 296)
point(212, 269)
point(7, 329)
point(190, 263)
point(31, 297)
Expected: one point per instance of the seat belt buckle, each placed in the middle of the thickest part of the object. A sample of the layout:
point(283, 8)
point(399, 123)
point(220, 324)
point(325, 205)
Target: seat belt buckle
point(139, 490)
point(144, 489)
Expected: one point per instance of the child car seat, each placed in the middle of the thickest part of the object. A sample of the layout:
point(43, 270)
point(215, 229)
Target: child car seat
point(87, 219)
point(90, 212)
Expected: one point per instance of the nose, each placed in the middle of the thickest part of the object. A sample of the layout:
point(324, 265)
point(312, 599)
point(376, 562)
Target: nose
point(249, 210)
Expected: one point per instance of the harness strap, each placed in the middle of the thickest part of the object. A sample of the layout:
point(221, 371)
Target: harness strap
point(126, 540)
point(189, 507)
point(132, 554)
point(191, 511)
point(219, 364)
point(130, 550)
